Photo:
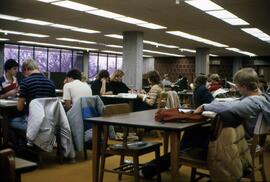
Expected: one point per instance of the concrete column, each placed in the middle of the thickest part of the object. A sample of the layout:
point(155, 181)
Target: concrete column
point(148, 64)
point(133, 58)
point(85, 63)
point(237, 64)
point(202, 61)
point(1, 58)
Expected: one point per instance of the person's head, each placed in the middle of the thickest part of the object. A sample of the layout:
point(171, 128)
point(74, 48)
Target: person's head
point(166, 76)
point(11, 67)
point(103, 74)
point(153, 77)
point(214, 78)
point(117, 75)
point(74, 74)
point(29, 66)
point(246, 81)
point(200, 80)
point(180, 76)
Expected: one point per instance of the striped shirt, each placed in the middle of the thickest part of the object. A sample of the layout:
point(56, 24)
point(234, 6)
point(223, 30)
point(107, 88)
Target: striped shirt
point(36, 86)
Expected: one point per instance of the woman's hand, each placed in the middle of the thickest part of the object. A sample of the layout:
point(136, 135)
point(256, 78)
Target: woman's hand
point(199, 110)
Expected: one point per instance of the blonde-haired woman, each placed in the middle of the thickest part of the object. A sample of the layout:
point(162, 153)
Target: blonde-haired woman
point(116, 83)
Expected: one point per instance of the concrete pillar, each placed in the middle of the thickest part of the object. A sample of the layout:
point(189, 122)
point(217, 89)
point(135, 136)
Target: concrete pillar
point(85, 63)
point(133, 58)
point(148, 64)
point(1, 58)
point(202, 61)
point(237, 64)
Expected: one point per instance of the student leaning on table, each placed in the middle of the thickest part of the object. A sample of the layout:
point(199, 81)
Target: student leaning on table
point(248, 107)
point(74, 88)
point(116, 83)
point(35, 85)
point(8, 82)
point(101, 85)
point(149, 100)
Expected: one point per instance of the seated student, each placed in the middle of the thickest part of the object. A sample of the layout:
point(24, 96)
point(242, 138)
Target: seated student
point(249, 105)
point(101, 85)
point(8, 82)
point(149, 100)
point(214, 82)
point(182, 83)
point(74, 88)
point(201, 93)
point(35, 85)
point(116, 83)
point(166, 81)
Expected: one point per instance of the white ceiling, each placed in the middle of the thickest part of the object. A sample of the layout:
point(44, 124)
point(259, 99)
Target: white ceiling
point(182, 17)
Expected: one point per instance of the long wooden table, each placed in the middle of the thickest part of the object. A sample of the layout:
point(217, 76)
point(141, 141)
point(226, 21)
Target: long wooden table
point(143, 119)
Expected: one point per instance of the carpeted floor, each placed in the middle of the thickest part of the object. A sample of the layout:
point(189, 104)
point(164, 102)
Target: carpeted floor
point(81, 171)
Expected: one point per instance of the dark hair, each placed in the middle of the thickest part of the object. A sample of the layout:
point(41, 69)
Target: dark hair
point(75, 74)
point(10, 63)
point(154, 77)
point(103, 74)
point(200, 80)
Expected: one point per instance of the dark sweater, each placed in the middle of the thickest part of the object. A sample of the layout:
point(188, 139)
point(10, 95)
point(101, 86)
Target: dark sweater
point(118, 87)
point(202, 96)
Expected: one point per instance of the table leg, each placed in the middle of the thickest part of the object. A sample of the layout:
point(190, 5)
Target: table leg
point(96, 151)
point(175, 149)
point(5, 128)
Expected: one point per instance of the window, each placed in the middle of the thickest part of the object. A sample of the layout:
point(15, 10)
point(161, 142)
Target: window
point(78, 60)
point(111, 63)
point(11, 52)
point(66, 60)
point(102, 62)
point(26, 52)
point(54, 60)
point(41, 58)
point(93, 66)
point(119, 62)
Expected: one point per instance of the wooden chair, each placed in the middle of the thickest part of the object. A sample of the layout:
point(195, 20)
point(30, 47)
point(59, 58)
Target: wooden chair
point(7, 165)
point(123, 149)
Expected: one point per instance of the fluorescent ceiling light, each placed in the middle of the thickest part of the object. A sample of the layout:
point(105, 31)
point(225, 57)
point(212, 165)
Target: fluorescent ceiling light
point(56, 45)
point(204, 5)
point(147, 56)
point(74, 5)
point(62, 26)
point(47, 1)
point(113, 52)
point(213, 55)
point(187, 50)
point(163, 53)
point(116, 36)
point(84, 30)
point(35, 35)
point(3, 39)
point(32, 21)
point(240, 51)
point(130, 20)
point(104, 13)
point(222, 14)
point(196, 38)
point(76, 40)
point(114, 46)
point(159, 44)
point(11, 32)
point(257, 33)
point(152, 26)
point(236, 21)
point(7, 17)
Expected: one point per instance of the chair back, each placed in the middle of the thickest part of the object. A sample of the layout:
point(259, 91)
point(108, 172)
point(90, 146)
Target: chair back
point(162, 100)
point(172, 100)
point(7, 165)
point(113, 109)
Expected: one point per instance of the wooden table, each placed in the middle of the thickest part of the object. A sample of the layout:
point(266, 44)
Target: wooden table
point(115, 99)
point(143, 119)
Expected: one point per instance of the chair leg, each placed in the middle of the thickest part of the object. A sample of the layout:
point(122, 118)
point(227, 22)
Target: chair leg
point(122, 159)
point(85, 153)
point(193, 174)
point(136, 168)
point(262, 170)
point(165, 142)
point(157, 156)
